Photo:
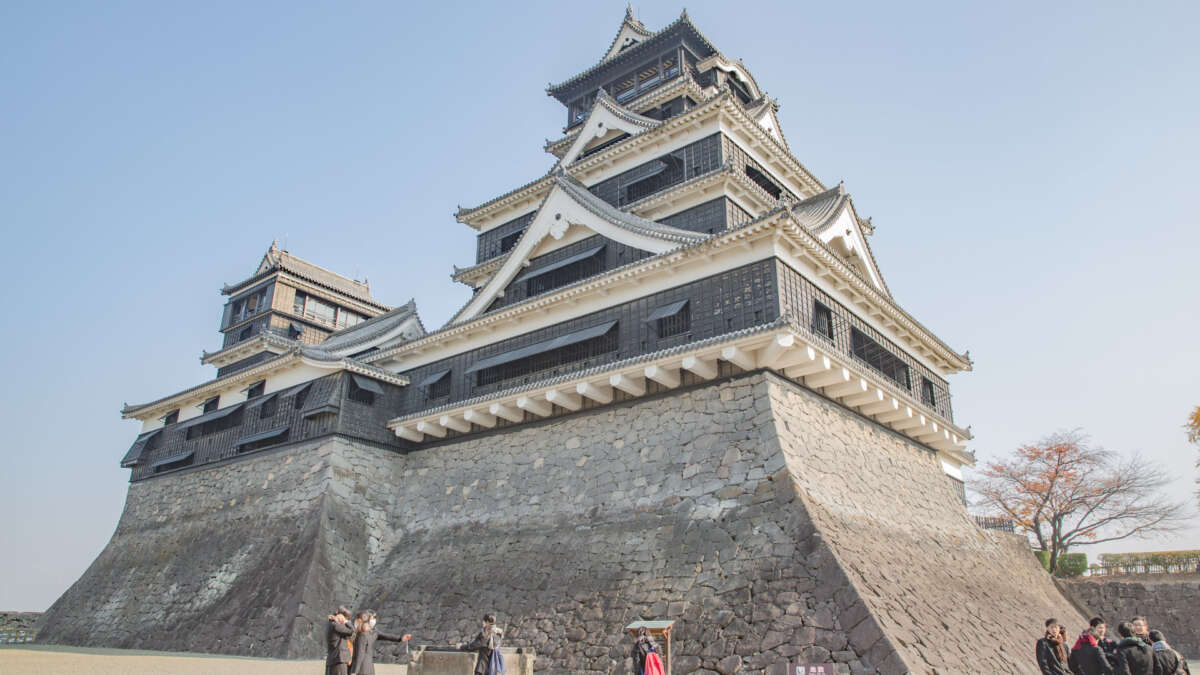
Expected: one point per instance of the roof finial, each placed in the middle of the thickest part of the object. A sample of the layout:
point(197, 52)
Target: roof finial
point(683, 15)
point(275, 244)
point(629, 12)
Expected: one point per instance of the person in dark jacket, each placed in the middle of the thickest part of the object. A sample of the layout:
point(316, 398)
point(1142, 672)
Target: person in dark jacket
point(1107, 645)
point(1087, 658)
point(642, 647)
point(1134, 657)
point(1052, 656)
point(1167, 661)
point(337, 642)
point(484, 644)
point(365, 637)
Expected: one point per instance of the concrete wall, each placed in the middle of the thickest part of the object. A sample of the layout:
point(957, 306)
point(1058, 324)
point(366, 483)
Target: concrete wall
point(1169, 602)
point(774, 525)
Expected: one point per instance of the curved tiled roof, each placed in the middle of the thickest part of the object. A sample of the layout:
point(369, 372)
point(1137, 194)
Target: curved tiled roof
point(682, 22)
point(279, 259)
point(819, 211)
point(634, 25)
point(580, 194)
point(372, 328)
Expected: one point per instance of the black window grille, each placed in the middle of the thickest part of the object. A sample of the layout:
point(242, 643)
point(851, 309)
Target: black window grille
point(246, 333)
point(510, 240)
point(822, 320)
point(299, 398)
point(255, 390)
point(562, 276)
point(876, 356)
point(960, 489)
point(659, 174)
point(763, 182)
point(603, 146)
point(269, 408)
point(360, 395)
point(229, 421)
point(538, 364)
point(171, 417)
point(677, 324)
point(177, 464)
point(670, 174)
point(274, 439)
point(211, 404)
point(439, 389)
point(928, 394)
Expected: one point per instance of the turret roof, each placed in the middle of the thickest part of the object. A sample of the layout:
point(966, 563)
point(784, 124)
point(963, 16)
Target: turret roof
point(277, 259)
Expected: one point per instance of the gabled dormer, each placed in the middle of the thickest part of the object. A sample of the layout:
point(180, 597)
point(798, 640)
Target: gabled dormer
point(606, 124)
point(570, 213)
point(629, 34)
point(832, 218)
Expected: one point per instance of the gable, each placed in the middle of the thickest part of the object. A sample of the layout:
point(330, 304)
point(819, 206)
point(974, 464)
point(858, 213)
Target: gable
point(570, 210)
point(607, 122)
point(845, 237)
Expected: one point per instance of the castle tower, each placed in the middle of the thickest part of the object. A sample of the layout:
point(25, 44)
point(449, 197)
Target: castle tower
point(681, 390)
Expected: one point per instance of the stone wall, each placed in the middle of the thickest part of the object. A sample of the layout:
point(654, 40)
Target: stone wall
point(774, 525)
point(1168, 601)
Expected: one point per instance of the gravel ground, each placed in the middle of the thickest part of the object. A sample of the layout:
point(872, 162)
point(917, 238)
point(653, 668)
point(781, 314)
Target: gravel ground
point(39, 660)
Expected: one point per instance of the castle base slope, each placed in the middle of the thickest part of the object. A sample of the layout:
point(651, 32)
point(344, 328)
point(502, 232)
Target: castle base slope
point(773, 525)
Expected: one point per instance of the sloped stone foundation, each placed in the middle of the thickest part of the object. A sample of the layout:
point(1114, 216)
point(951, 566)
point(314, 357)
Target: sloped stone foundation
point(773, 525)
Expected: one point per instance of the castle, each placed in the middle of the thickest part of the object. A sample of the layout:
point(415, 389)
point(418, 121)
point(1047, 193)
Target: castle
point(681, 388)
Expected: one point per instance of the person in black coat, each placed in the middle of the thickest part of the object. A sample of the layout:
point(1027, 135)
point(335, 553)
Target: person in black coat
point(484, 644)
point(1087, 658)
point(1167, 661)
point(1052, 651)
point(1134, 657)
point(365, 637)
point(644, 645)
point(337, 643)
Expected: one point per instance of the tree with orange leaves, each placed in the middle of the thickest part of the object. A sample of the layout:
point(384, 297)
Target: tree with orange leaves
point(1065, 492)
point(1193, 432)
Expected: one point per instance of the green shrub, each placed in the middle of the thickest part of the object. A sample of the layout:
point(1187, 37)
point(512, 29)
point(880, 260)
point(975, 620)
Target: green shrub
point(1044, 558)
point(1072, 564)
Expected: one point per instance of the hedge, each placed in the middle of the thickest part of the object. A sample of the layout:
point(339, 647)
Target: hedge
point(1072, 564)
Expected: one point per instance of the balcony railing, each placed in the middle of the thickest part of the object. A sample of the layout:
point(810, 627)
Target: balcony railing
point(996, 523)
point(826, 321)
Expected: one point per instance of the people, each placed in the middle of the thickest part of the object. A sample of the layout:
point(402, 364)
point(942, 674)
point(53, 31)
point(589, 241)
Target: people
point(487, 642)
point(1087, 656)
point(1134, 657)
point(1141, 628)
point(643, 647)
point(365, 637)
point(1167, 661)
point(337, 642)
point(1052, 648)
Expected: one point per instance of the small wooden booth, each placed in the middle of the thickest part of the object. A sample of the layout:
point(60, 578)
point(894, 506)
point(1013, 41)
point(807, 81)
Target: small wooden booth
point(660, 631)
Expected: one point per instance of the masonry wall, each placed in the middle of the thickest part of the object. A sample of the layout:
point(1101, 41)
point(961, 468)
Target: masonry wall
point(1168, 601)
point(773, 525)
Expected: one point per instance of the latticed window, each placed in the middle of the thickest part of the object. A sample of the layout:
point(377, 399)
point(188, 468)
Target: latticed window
point(510, 240)
point(561, 276)
point(760, 179)
point(269, 408)
point(545, 357)
point(255, 390)
point(822, 320)
point(171, 417)
point(211, 404)
point(439, 389)
point(928, 394)
point(876, 356)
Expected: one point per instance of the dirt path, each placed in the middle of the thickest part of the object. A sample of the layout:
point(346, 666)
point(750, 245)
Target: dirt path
point(41, 660)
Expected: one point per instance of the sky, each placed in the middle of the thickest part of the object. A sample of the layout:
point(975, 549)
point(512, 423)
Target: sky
point(1030, 169)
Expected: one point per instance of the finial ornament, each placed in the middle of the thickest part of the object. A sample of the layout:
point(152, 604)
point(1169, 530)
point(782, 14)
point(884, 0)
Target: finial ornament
point(629, 12)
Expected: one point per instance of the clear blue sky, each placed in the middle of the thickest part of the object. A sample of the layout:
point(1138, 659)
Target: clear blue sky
point(1031, 168)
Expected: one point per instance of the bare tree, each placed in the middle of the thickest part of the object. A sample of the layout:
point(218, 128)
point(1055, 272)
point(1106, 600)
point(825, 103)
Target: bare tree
point(1066, 492)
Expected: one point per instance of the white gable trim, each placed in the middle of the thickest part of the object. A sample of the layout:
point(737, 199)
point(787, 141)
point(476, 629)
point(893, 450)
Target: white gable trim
point(846, 238)
point(601, 121)
point(557, 214)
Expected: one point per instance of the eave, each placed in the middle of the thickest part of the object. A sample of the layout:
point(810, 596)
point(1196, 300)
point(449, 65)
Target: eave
point(275, 344)
point(776, 223)
point(293, 357)
point(783, 347)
